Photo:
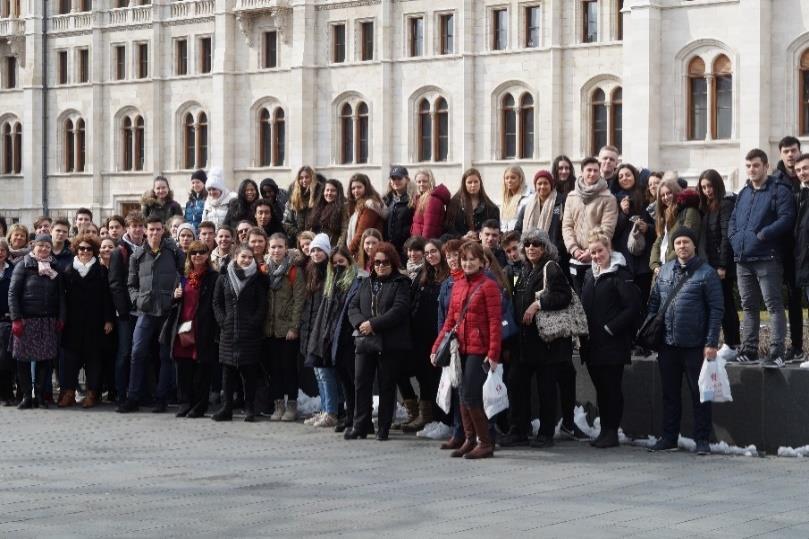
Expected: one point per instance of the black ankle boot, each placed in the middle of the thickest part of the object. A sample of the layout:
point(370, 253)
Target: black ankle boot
point(224, 414)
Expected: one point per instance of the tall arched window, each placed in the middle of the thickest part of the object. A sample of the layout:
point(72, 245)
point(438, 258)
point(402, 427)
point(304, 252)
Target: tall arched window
point(271, 136)
point(722, 124)
point(803, 92)
point(441, 129)
point(432, 135)
point(362, 133)
point(508, 142)
point(425, 131)
point(189, 143)
point(264, 138)
point(7, 158)
point(70, 146)
point(279, 136)
point(617, 108)
point(195, 140)
point(526, 126)
point(354, 121)
point(140, 142)
point(599, 121)
point(697, 100)
point(80, 145)
point(17, 153)
point(346, 134)
point(127, 139)
point(202, 140)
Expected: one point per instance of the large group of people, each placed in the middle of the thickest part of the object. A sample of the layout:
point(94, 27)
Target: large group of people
point(225, 303)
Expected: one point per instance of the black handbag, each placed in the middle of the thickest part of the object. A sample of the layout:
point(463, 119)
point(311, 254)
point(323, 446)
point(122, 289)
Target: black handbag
point(368, 344)
point(651, 333)
point(443, 354)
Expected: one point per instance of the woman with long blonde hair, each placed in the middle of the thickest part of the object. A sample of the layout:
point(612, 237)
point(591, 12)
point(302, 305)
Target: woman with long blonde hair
point(431, 206)
point(516, 193)
point(675, 207)
point(303, 196)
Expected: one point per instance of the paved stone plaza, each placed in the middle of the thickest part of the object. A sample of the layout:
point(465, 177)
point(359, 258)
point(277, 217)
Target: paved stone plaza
point(98, 474)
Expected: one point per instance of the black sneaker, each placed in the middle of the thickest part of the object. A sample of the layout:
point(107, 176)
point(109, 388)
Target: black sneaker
point(775, 361)
point(513, 438)
point(794, 355)
point(664, 445)
point(746, 358)
point(127, 407)
point(703, 448)
point(541, 442)
point(574, 433)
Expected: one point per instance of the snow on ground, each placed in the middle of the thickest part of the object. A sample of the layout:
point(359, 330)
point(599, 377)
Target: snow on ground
point(308, 406)
point(793, 452)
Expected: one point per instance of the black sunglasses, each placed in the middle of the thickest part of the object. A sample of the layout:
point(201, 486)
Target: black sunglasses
point(381, 263)
point(84, 248)
point(533, 243)
point(192, 253)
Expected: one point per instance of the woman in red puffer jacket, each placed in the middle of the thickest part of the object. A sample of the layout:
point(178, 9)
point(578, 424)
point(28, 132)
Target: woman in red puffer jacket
point(478, 343)
point(431, 206)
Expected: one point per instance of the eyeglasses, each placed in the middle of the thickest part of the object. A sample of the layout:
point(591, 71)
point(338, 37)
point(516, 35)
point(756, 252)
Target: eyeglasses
point(533, 243)
point(85, 248)
point(195, 253)
point(381, 263)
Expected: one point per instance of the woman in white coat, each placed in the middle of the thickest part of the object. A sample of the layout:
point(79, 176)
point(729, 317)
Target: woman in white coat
point(219, 196)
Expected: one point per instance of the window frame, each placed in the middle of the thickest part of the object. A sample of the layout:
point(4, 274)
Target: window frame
point(589, 20)
point(528, 29)
point(366, 42)
point(803, 93)
point(499, 28)
point(62, 72)
point(416, 33)
point(446, 33)
point(181, 56)
point(10, 68)
point(119, 61)
point(339, 44)
point(205, 54)
point(83, 65)
point(265, 46)
point(142, 60)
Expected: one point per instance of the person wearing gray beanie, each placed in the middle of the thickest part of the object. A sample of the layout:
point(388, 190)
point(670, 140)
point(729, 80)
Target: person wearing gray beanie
point(321, 242)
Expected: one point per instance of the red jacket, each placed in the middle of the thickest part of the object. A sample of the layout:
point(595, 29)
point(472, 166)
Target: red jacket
point(479, 332)
point(429, 223)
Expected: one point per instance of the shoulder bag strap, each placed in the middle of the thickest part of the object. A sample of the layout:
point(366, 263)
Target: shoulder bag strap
point(466, 306)
point(662, 312)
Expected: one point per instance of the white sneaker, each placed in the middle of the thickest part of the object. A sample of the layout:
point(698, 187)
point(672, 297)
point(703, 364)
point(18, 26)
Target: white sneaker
point(314, 419)
point(804, 365)
point(326, 421)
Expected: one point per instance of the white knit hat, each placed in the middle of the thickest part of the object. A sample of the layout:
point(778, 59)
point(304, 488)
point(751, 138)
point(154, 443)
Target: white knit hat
point(216, 179)
point(321, 242)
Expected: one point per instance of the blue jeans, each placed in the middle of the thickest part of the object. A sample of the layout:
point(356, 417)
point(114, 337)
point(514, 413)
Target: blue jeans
point(757, 280)
point(147, 329)
point(123, 329)
point(329, 389)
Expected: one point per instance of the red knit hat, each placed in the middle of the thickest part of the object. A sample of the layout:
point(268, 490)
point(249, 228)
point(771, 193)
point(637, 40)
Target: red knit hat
point(544, 174)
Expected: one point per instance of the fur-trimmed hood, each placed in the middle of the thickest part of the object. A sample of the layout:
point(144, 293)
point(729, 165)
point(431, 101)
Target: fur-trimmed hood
point(149, 198)
point(687, 198)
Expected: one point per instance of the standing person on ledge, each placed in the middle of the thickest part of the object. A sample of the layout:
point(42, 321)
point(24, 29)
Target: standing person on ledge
point(691, 333)
point(478, 344)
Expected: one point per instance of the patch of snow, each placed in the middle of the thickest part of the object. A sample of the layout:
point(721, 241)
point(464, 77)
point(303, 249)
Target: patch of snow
point(400, 413)
point(308, 405)
point(798, 452)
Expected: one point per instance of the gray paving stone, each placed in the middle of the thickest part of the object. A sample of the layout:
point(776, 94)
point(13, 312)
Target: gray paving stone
point(70, 473)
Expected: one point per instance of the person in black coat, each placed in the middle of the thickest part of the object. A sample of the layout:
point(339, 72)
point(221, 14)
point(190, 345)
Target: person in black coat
point(191, 329)
point(714, 246)
point(380, 314)
point(36, 303)
point(470, 207)
point(90, 316)
point(240, 307)
point(241, 208)
point(802, 230)
point(612, 303)
point(548, 360)
point(401, 207)
point(7, 363)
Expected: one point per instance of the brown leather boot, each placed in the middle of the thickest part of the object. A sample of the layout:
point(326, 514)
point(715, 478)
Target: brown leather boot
point(485, 447)
point(68, 399)
point(469, 431)
point(412, 407)
point(425, 416)
point(452, 443)
point(90, 400)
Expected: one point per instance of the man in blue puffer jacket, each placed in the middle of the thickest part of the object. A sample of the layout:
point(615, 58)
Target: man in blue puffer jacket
point(692, 323)
point(764, 213)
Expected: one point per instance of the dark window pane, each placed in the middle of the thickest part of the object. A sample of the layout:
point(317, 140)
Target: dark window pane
point(190, 141)
point(532, 27)
point(339, 43)
point(205, 55)
point(500, 29)
point(724, 106)
point(447, 34)
point(367, 41)
point(590, 21)
point(347, 132)
point(698, 120)
point(362, 133)
point(425, 132)
point(202, 133)
point(599, 127)
point(270, 49)
point(509, 149)
point(18, 149)
point(442, 129)
point(805, 102)
point(264, 138)
point(617, 126)
point(527, 119)
point(279, 145)
point(416, 36)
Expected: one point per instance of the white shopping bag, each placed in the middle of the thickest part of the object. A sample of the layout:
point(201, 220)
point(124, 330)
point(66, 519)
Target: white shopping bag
point(495, 396)
point(455, 371)
point(714, 385)
point(444, 396)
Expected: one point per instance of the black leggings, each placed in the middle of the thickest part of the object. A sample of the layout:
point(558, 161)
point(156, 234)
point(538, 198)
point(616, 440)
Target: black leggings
point(193, 383)
point(249, 375)
point(609, 393)
point(283, 368)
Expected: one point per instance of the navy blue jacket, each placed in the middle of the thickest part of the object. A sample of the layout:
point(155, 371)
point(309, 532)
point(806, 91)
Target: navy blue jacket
point(760, 220)
point(695, 315)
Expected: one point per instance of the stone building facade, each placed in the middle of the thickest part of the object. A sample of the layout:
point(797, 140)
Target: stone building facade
point(98, 97)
